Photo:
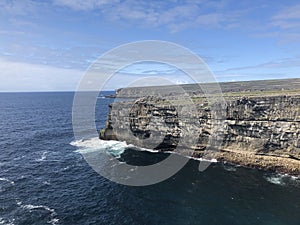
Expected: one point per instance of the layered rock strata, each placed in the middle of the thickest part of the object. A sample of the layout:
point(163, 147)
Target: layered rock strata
point(260, 130)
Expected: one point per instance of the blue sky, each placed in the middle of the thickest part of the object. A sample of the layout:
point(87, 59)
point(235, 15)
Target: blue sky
point(48, 45)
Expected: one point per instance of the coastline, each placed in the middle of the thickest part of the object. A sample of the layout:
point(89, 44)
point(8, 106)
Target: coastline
point(275, 164)
point(261, 129)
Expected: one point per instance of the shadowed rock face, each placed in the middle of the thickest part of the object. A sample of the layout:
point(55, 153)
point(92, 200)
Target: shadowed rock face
point(147, 118)
point(259, 130)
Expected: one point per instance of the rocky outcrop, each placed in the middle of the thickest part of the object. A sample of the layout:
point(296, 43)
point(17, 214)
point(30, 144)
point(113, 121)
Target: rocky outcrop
point(258, 130)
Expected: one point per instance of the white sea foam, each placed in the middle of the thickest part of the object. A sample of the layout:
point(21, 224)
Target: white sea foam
point(6, 221)
point(66, 168)
point(115, 148)
point(201, 159)
point(146, 149)
point(46, 183)
point(7, 180)
point(275, 180)
point(206, 160)
point(43, 157)
point(53, 215)
point(282, 179)
point(174, 152)
point(229, 168)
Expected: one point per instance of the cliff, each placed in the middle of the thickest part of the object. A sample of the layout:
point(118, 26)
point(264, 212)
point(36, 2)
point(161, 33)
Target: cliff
point(261, 126)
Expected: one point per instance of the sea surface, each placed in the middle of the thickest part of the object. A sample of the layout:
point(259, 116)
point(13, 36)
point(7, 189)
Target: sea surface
point(44, 178)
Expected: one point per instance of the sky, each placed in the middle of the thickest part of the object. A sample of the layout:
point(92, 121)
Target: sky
point(49, 45)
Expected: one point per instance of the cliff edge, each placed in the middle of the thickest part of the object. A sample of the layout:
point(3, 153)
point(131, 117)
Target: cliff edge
point(260, 129)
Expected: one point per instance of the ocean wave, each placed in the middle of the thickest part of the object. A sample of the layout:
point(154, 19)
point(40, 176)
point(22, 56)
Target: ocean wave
point(213, 160)
point(205, 160)
point(3, 163)
point(282, 179)
point(42, 158)
point(6, 221)
point(53, 215)
point(7, 180)
point(115, 148)
point(46, 183)
point(229, 168)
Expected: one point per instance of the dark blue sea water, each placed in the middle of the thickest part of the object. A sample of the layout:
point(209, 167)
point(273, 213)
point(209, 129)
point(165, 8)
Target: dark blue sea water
point(45, 180)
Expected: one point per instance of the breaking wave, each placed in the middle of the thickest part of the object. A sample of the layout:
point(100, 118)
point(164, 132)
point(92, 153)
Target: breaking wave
point(204, 159)
point(229, 168)
point(115, 148)
point(6, 221)
point(53, 215)
point(7, 180)
point(282, 179)
point(43, 157)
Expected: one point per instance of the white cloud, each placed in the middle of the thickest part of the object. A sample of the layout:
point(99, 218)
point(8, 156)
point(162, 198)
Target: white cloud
point(212, 19)
point(149, 68)
point(83, 5)
point(19, 76)
point(176, 17)
point(292, 12)
point(121, 80)
point(277, 69)
point(287, 18)
point(20, 8)
point(281, 63)
point(254, 75)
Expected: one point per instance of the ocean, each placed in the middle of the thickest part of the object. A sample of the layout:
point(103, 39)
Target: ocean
point(44, 178)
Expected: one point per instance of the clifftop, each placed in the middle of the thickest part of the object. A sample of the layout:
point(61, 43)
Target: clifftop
point(242, 87)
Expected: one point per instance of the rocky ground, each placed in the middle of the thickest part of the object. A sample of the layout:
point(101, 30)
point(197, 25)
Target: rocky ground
point(279, 164)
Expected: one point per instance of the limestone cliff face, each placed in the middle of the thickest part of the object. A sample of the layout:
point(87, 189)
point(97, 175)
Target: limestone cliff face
point(257, 131)
point(264, 124)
